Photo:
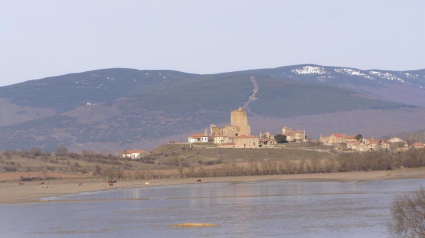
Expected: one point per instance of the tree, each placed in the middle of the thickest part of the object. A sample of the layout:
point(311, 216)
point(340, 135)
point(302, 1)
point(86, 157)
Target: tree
point(36, 152)
point(359, 137)
point(408, 215)
point(301, 166)
point(61, 151)
point(280, 138)
point(119, 174)
point(315, 165)
point(180, 169)
point(202, 172)
point(191, 171)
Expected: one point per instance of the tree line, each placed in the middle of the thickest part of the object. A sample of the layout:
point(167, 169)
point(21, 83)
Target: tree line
point(343, 162)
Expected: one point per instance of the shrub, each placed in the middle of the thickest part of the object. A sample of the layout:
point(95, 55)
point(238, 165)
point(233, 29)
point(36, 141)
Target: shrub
point(54, 161)
point(29, 178)
point(408, 215)
point(280, 138)
point(10, 168)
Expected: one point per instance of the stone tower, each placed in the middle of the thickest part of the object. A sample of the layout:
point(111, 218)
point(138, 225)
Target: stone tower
point(239, 119)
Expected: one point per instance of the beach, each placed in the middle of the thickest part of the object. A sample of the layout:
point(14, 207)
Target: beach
point(11, 192)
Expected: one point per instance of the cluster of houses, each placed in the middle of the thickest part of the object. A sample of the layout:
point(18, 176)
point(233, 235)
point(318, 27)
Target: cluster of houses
point(240, 141)
point(358, 143)
point(248, 141)
point(339, 141)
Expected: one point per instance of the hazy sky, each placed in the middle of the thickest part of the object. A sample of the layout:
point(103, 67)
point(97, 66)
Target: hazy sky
point(48, 38)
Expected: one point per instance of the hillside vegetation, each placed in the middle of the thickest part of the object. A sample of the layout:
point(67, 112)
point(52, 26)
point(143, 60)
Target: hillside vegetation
point(280, 98)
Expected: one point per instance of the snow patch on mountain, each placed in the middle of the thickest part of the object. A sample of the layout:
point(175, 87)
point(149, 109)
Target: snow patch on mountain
point(309, 70)
point(411, 75)
point(353, 72)
point(387, 76)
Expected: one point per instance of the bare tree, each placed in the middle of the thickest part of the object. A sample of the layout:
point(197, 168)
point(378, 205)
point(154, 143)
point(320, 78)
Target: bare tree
point(180, 169)
point(280, 168)
point(191, 171)
point(301, 166)
point(250, 168)
point(202, 172)
point(314, 165)
point(408, 215)
point(97, 170)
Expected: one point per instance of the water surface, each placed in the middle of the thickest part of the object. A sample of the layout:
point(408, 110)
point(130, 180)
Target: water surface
point(260, 209)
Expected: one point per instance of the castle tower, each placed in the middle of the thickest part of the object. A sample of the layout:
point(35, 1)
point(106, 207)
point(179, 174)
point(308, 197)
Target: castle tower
point(286, 130)
point(239, 119)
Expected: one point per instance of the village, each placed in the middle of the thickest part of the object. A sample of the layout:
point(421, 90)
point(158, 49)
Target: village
point(238, 135)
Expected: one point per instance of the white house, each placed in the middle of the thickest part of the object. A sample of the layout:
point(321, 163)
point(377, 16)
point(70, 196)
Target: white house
point(134, 154)
point(196, 138)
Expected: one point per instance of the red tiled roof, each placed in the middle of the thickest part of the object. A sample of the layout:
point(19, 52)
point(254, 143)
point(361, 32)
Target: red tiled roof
point(350, 137)
point(417, 144)
point(246, 137)
point(338, 135)
point(197, 135)
point(133, 151)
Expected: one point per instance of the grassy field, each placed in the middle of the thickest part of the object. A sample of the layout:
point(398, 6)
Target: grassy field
point(65, 164)
point(164, 159)
point(209, 154)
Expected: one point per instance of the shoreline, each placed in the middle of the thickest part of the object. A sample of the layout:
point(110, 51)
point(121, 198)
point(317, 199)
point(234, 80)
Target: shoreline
point(32, 192)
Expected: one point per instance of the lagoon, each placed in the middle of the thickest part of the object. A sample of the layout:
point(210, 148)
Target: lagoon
point(251, 209)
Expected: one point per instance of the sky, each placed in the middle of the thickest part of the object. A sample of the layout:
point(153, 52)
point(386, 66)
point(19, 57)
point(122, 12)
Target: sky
point(48, 38)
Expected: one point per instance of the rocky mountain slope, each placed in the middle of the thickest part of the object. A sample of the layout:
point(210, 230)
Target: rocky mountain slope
point(113, 109)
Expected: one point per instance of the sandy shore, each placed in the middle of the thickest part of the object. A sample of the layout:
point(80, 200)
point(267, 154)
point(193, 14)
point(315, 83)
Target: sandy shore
point(30, 192)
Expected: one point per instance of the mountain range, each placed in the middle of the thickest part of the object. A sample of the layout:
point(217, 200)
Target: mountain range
point(114, 109)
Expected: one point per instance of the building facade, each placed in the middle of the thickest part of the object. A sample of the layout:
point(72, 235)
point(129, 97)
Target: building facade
point(220, 139)
point(247, 141)
point(294, 135)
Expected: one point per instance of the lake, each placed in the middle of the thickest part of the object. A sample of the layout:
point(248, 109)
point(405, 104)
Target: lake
point(252, 209)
